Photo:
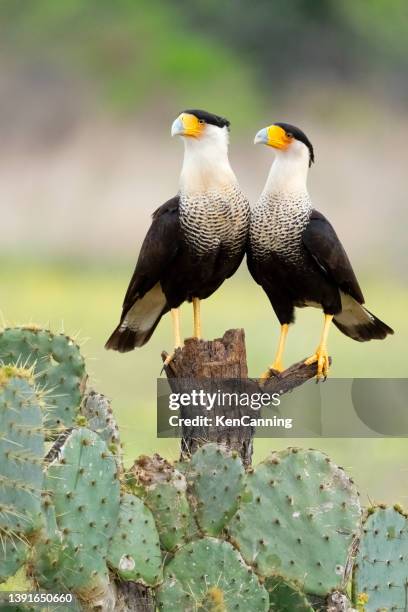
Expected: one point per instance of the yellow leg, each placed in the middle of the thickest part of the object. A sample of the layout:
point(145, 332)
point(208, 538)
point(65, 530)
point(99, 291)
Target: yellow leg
point(277, 364)
point(197, 318)
point(175, 317)
point(321, 355)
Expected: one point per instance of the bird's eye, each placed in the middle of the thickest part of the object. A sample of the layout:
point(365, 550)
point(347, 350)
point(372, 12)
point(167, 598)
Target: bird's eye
point(289, 134)
point(201, 121)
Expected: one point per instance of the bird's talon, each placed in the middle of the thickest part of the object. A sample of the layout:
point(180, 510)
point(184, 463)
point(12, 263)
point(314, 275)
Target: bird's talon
point(265, 376)
point(311, 359)
point(322, 358)
point(274, 370)
point(277, 366)
point(168, 360)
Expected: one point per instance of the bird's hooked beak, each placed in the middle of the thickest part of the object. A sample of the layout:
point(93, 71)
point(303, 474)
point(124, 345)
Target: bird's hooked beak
point(273, 136)
point(187, 125)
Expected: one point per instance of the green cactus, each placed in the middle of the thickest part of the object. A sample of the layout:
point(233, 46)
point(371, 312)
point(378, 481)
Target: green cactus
point(13, 554)
point(134, 552)
point(210, 574)
point(380, 577)
point(171, 511)
point(96, 408)
point(83, 485)
point(58, 365)
point(299, 518)
point(216, 479)
point(164, 490)
point(285, 596)
point(21, 455)
point(46, 563)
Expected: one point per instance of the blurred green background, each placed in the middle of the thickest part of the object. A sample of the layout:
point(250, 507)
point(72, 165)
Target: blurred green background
point(88, 91)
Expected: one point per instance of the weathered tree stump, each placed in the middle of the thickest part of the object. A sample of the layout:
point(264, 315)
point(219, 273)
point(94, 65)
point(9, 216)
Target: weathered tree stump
point(222, 362)
point(133, 597)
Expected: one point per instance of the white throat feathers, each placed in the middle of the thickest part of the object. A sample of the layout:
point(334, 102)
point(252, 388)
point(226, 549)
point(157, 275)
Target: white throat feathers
point(206, 166)
point(288, 173)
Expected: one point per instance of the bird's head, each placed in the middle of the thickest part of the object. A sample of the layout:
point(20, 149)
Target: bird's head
point(206, 164)
point(286, 139)
point(199, 126)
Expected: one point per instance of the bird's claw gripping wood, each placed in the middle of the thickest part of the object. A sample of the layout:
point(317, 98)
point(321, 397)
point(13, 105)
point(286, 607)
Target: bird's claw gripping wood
point(321, 356)
point(169, 358)
point(277, 366)
point(274, 370)
point(175, 315)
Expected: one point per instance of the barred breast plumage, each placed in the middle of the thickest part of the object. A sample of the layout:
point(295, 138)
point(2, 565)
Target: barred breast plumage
point(214, 219)
point(277, 223)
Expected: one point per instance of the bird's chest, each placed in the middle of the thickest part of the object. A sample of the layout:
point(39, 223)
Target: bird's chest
point(214, 220)
point(277, 224)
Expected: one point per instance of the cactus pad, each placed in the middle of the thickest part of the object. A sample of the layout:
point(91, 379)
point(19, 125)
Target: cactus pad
point(210, 574)
point(299, 518)
point(134, 552)
point(84, 488)
point(164, 491)
point(96, 408)
point(13, 553)
point(58, 365)
point(381, 572)
point(21, 454)
point(217, 478)
point(286, 597)
point(47, 555)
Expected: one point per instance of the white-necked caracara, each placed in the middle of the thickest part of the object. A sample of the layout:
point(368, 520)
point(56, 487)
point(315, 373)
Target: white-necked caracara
point(196, 240)
point(295, 254)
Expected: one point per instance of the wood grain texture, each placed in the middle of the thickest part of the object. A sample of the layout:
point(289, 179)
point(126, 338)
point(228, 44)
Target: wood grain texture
point(223, 362)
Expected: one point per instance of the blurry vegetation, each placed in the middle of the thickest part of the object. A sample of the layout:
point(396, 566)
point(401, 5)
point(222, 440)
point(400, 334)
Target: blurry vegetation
point(346, 41)
point(137, 53)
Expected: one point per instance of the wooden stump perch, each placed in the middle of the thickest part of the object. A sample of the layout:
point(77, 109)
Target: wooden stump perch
point(224, 359)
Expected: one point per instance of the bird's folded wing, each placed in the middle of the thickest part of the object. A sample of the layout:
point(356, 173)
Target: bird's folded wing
point(158, 251)
point(323, 244)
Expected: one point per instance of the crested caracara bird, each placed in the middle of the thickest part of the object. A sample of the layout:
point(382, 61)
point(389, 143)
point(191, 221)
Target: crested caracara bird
point(196, 239)
point(295, 254)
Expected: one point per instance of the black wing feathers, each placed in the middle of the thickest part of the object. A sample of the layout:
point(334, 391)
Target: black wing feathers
point(323, 244)
point(158, 250)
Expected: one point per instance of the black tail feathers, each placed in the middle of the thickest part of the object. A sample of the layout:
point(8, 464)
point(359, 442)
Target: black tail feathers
point(362, 325)
point(125, 340)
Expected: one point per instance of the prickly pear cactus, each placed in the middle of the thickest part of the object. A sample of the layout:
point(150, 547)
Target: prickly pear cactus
point(84, 490)
point(380, 576)
point(58, 365)
point(164, 490)
point(216, 479)
point(299, 518)
point(13, 554)
point(46, 563)
point(134, 552)
point(97, 410)
point(21, 465)
point(210, 574)
point(285, 596)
